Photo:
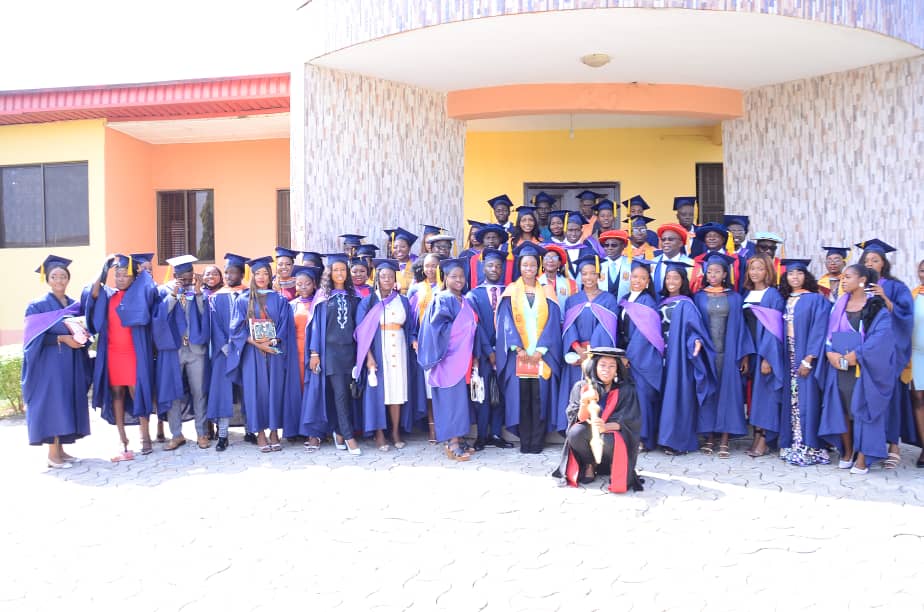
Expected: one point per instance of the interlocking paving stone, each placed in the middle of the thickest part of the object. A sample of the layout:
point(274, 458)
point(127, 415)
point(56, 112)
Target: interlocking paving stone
point(409, 530)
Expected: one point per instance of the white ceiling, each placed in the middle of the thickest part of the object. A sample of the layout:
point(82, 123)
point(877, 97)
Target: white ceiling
point(696, 47)
point(525, 123)
point(251, 127)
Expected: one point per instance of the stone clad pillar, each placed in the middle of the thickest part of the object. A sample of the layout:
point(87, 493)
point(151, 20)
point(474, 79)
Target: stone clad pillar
point(369, 154)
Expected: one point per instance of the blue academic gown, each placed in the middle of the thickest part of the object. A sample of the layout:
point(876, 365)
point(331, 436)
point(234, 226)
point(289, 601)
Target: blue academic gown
point(55, 378)
point(900, 422)
point(810, 324)
point(550, 338)
point(767, 391)
point(263, 376)
point(223, 379)
point(373, 401)
point(689, 382)
point(452, 414)
point(646, 365)
point(489, 421)
point(869, 404)
point(585, 329)
point(168, 326)
point(134, 311)
point(724, 411)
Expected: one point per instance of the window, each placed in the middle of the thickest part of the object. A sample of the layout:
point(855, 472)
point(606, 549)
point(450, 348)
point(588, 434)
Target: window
point(44, 205)
point(185, 224)
point(283, 220)
point(710, 193)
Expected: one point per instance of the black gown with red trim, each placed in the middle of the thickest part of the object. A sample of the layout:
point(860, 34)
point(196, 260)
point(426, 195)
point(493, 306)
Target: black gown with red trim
point(622, 445)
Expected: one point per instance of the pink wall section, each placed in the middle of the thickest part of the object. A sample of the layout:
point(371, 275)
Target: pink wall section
point(130, 213)
point(244, 174)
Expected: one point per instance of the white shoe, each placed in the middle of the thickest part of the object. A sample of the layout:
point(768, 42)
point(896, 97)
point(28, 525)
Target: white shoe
point(844, 465)
point(856, 470)
point(355, 451)
point(64, 465)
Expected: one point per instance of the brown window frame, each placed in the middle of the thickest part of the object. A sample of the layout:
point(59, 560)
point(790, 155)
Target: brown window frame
point(163, 252)
point(283, 218)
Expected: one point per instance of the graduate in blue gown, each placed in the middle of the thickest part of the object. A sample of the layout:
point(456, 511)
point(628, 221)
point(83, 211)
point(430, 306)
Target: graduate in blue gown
point(897, 297)
point(385, 333)
point(56, 368)
point(419, 296)
point(262, 361)
point(446, 346)
point(224, 382)
point(768, 370)
point(124, 394)
point(689, 372)
point(484, 299)
point(589, 320)
point(721, 309)
point(806, 323)
point(180, 330)
point(529, 332)
point(491, 237)
point(640, 336)
point(856, 403)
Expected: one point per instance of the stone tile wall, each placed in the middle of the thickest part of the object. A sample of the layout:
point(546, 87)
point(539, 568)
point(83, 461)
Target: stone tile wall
point(372, 153)
point(838, 159)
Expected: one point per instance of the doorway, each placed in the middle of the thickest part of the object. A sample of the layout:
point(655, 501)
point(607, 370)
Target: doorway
point(565, 194)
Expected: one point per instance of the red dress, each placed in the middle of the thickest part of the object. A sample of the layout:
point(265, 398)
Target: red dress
point(121, 360)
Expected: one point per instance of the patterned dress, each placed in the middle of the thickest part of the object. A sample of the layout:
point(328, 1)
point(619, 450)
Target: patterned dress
point(798, 453)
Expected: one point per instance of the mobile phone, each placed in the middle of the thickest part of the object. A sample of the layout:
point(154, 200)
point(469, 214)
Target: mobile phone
point(842, 362)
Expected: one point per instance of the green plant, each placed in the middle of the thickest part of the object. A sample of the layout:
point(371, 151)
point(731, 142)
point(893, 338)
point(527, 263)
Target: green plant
point(10, 383)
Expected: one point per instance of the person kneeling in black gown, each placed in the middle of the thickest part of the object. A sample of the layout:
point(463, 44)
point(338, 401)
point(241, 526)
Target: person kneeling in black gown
point(606, 382)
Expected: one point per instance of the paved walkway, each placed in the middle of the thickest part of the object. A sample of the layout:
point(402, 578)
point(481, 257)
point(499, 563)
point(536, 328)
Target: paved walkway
point(198, 530)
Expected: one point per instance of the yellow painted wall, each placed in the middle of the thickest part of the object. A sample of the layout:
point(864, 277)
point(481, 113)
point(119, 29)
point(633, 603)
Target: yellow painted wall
point(657, 163)
point(45, 143)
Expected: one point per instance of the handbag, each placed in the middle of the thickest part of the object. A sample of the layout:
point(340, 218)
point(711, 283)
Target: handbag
point(477, 386)
point(494, 394)
point(356, 388)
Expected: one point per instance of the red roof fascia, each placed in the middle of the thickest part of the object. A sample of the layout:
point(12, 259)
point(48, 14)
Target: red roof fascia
point(203, 98)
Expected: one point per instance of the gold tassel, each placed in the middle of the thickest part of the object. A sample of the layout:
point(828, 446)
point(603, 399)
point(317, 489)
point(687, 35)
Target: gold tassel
point(730, 244)
point(391, 245)
point(130, 266)
point(168, 274)
point(597, 265)
point(42, 274)
point(246, 281)
point(695, 212)
point(779, 261)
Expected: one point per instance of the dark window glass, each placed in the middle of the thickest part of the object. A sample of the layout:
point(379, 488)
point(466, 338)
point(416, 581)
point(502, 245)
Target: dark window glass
point(44, 205)
point(66, 205)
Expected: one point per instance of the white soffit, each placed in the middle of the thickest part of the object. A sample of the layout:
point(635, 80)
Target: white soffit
point(678, 46)
point(220, 129)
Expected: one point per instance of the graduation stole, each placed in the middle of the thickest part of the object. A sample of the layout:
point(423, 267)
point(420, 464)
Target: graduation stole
point(517, 294)
point(405, 278)
point(425, 296)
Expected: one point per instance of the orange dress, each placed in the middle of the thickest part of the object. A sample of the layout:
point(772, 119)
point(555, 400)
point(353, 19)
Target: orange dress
point(121, 361)
point(303, 312)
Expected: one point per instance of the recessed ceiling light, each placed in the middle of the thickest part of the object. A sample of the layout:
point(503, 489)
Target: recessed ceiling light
point(596, 60)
